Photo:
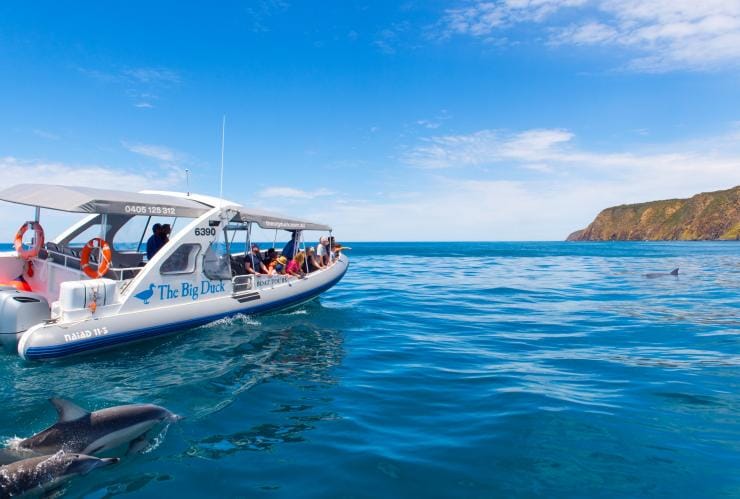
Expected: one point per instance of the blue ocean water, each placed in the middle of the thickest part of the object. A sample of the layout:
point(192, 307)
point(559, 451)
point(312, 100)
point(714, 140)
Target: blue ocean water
point(439, 370)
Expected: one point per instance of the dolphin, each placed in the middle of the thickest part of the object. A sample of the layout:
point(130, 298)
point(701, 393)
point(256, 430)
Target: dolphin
point(78, 430)
point(38, 474)
point(653, 275)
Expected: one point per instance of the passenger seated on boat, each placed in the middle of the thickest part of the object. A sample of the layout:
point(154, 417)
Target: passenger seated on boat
point(322, 251)
point(333, 248)
point(254, 261)
point(336, 248)
point(295, 267)
point(292, 246)
point(313, 261)
point(270, 257)
point(155, 241)
point(278, 265)
point(248, 269)
point(166, 231)
point(237, 266)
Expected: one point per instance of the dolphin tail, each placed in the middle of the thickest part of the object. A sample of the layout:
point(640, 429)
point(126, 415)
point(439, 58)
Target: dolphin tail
point(674, 271)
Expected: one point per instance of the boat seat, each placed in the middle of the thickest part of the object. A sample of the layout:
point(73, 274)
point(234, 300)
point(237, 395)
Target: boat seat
point(54, 252)
point(74, 253)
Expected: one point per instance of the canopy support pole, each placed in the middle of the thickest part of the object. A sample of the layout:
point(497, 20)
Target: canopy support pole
point(248, 248)
point(103, 226)
point(37, 214)
point(305, 260)
point(143, 234)
point(249, 239)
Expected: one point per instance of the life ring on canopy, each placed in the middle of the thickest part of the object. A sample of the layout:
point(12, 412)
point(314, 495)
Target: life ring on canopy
point(105, 258)
point(33, 251)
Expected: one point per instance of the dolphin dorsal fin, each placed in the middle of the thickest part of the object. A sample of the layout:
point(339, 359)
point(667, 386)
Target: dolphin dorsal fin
point(68, 411)
point(674, 272)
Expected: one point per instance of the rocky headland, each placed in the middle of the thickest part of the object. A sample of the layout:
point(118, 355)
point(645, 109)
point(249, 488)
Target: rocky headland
point(705, 216)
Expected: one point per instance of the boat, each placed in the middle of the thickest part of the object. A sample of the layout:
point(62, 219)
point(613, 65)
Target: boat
point(59, 299)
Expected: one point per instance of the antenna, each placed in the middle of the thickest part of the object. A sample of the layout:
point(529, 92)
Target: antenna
point(187, 179)
point(221, 187)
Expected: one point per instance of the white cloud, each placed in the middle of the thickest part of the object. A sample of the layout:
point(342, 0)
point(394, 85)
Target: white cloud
point(390, 39)
point(160, 153)
point(588, 33)
point(485, 147)
point(537, 167)
point(153, 75)
point(480, 210)
point(142, 84)
point(146, 76)
point(18, 171)
point(45, 135)
point(661, 35)
point(554, 148)
point(428, 123)
point(292, 193)
point(572, 185)
point(435, 122)
point(260, 12)
point(481, 18)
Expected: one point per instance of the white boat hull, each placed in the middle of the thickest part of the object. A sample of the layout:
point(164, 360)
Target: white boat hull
point(106, 330)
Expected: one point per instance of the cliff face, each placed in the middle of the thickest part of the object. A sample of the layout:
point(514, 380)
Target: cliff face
point(706, 216)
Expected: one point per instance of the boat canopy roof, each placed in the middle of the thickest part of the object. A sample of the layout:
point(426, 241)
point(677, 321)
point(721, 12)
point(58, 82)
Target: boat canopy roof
point(268, 220)
point(104, 201)
point(108, 201)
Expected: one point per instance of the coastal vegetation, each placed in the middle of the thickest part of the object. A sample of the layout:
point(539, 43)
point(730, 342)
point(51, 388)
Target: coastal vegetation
point(705, 216)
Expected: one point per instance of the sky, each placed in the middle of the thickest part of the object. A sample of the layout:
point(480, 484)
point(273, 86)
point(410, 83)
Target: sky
point(391, 121)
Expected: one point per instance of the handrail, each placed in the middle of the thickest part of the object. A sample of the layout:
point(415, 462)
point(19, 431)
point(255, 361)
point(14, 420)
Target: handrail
point(119, 270)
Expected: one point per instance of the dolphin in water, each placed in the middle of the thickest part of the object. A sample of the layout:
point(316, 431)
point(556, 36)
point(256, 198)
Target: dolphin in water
point(78, 430)
point(653, 275)
point(42, 473)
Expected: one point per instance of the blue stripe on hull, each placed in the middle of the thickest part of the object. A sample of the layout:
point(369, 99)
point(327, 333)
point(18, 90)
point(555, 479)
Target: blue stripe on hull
point(62, 350)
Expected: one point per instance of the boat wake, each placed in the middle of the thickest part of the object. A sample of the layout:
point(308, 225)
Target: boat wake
point(234, 320)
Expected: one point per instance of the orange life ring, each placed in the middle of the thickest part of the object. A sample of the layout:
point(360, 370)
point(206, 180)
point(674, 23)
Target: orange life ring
point(32, 252)
point(105, 258)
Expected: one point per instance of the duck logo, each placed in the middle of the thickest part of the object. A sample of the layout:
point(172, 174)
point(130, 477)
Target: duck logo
point(146, 295)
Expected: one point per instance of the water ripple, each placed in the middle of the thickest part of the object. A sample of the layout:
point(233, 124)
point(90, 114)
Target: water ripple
point(456, 369)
